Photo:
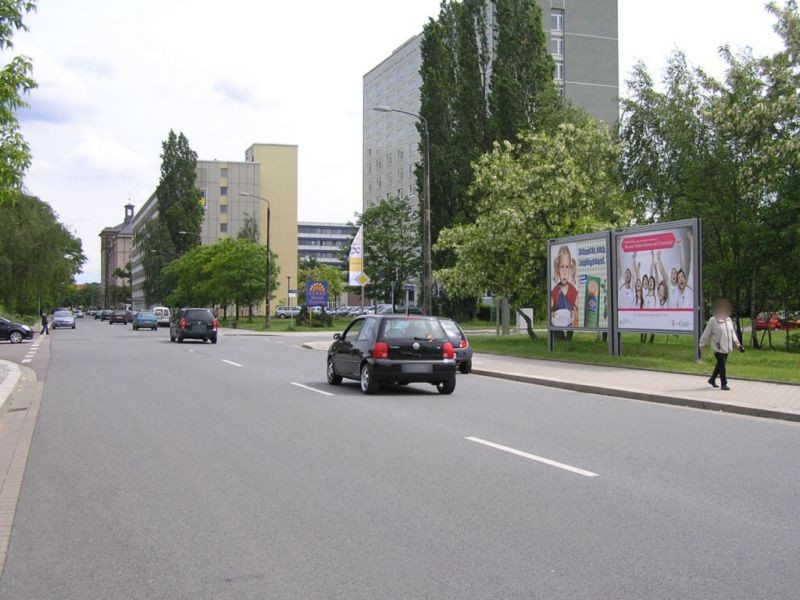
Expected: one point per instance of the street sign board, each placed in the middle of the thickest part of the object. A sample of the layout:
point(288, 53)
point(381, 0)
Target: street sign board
point(316, 293)
point(362, 279)
point(408, 287)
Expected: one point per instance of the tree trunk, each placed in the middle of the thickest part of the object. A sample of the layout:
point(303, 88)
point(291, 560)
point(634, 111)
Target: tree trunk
point(528, 325)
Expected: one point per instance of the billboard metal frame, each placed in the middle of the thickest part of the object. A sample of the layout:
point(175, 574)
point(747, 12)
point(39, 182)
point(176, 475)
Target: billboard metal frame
point(610, 282)
point(697, 280)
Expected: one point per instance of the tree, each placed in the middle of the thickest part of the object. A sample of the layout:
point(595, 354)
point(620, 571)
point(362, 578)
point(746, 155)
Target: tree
point(39, 256)
point(312, 270)
point(15, 82)
point(221, 274)
point(392, 245)
point(249, 230)
point(179, 207)
point(524, 96)
point(546, 185)
point(726, 152)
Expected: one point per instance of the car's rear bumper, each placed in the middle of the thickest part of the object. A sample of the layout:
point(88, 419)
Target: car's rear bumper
point(197, 335)
point(413, 371)
point(145, 325)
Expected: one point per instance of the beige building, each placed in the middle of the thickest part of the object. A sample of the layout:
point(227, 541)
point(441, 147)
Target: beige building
point(115, 253)
point(279, 185)
point(268, 171)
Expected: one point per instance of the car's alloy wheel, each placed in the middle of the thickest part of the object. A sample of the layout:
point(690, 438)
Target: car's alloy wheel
point(332, 376)
point(446, 387)
point(368, 384)
point(15, 337)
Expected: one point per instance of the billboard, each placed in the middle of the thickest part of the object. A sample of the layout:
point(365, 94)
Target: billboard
point(657, 275)
point(316, 293)
point(579, 275)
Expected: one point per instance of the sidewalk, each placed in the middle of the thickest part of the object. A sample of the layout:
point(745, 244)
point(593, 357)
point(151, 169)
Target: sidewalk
point(754, 398)
point(9, 376)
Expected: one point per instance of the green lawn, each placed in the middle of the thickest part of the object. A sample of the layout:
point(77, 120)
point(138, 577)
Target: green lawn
point(279, 325)
point(674, 354)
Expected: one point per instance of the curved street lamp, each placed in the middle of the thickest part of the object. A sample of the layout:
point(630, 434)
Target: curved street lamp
point(427, 278)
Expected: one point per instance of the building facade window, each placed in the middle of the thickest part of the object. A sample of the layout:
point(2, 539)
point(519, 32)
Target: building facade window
point(203, 199)
point(557, 45)
point(223, 228)
point(223, 210)
point(557, 20)
point(223, 191)
point(223, 173)
point(560, 70)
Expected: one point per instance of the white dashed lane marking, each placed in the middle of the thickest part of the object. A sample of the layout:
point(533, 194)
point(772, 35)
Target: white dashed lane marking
point(540, 459)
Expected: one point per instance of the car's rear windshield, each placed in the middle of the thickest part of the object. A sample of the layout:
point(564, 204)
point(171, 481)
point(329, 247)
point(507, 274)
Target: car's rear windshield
point(64, 313)
point(451, 329)
point(416, 329)
point(147, 313)
point(198, 314)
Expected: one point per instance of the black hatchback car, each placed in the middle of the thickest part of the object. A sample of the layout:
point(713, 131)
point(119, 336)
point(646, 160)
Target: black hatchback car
point(393, 349)
point(193, 324)
point(14, 332)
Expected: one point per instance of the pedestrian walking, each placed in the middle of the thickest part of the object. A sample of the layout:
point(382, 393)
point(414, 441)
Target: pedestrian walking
point(720, 332)
point(45, 325)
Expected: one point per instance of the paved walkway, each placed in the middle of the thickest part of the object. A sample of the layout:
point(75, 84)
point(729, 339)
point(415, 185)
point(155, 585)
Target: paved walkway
point(755, 398)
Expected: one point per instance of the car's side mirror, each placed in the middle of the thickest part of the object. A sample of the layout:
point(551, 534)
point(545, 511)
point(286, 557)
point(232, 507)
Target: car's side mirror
point(336, 336)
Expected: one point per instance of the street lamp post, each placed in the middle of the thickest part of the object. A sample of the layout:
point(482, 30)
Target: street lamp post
point(267, 291)
point(427, 277)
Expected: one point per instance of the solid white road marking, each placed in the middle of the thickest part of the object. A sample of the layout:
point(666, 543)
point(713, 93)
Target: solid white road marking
point(25, 361)
point(307, 387)
point(230, 362)
point(540, 459)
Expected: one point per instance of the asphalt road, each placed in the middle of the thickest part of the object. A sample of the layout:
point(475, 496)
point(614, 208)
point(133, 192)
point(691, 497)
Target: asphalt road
point(162, 471)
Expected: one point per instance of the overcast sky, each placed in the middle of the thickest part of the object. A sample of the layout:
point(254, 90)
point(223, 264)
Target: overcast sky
point(115, 76)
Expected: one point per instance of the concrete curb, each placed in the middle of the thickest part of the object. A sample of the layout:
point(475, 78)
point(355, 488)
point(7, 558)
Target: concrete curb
point(753, 411)
point(9, 382)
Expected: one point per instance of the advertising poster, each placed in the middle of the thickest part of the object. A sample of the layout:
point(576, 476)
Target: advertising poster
point(316, 294)
point(579, 269)
point(656, 278)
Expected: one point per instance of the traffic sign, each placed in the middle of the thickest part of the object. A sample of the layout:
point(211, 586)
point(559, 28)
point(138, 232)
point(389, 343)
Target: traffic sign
point(408, 287)
point(362, 279)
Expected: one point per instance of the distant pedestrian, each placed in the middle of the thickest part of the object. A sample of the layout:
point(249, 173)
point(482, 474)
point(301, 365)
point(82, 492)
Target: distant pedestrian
point(720, 332)
point(45, 325)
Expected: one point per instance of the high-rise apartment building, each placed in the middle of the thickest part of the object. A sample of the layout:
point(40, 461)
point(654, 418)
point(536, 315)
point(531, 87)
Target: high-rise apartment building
point(268, 171)
point(323, 242)
point(582, 37)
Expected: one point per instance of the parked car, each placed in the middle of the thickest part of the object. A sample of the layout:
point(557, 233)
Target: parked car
point(145, 319)
point(766, 320)
point(14, 332)
point(106, 314)
point(118, 316)
point(378, 349)
point(284, 312)
point(193, 324)
point(789, 320)
point(78, 314)
point(163, 315)
point(63, 318)
point(460, 343)
point(412, 310)
point(98, 314)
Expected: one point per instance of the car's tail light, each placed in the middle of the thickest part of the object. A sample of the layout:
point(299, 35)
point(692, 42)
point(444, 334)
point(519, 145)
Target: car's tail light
point(183, 323)
point(214, 324)
point(447, 350)
point(380, 350)
point(463, 343)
